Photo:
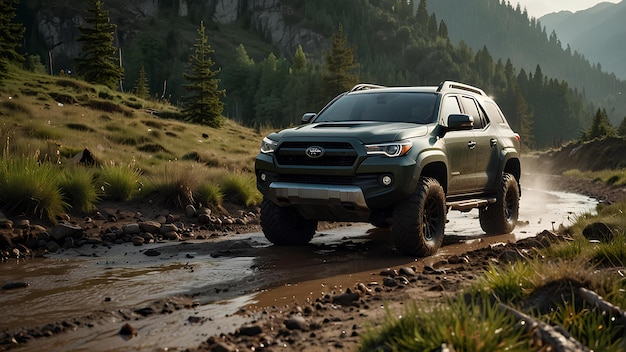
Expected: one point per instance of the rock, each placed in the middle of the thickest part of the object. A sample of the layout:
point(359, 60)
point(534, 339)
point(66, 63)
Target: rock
point(22, 224)
point(68, 243)
point(204, 211)
point(52, 247)
point(407, 272)
point(14, 285)
point(204, 219)
point(131, 229)
point(190, 211)
point(128, 330)
point(6, 224)
point(150, 226)
point(152, 252)
point(63, 230)
point(389, 282)
point(346, 299)
point(138, 241)
point(250, 330)
point(598, 231)
point(296, 322)
point(167, 228)
point(510, 256)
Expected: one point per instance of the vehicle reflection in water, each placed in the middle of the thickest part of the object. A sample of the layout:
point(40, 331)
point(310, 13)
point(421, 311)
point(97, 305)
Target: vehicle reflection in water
point(225, 275)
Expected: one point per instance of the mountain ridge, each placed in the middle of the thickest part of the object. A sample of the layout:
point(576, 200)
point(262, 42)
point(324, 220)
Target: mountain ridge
point(581, 30)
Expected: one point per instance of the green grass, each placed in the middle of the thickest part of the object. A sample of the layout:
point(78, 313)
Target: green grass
point(465, 324)
point(545, 287)
point(240, 188)
point(140, 151)
point(31, 188)
point(610, 177)
point(78, 186)
point(209, 194)
point(119, 182)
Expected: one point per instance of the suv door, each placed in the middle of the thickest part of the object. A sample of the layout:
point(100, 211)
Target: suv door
point(486, 145)
point(461, 157)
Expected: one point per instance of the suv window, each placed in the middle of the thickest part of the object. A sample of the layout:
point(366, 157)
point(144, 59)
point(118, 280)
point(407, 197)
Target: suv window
point(382, 106)
point(493, 112)
point(469, 105)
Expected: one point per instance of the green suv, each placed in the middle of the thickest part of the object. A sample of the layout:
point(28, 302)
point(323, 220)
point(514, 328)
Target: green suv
point(397, 157)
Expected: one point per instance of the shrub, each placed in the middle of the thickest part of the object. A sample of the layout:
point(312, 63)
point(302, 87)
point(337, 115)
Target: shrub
point(30, 188)
point(119, 182)
point(209, 194)
point(240, 188)
point(174, 187)
point(78, 186)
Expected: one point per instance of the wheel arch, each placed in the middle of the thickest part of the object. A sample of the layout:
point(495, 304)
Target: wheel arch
point(434, 165)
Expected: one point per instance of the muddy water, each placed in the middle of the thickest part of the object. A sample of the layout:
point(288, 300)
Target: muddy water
point(224, 276)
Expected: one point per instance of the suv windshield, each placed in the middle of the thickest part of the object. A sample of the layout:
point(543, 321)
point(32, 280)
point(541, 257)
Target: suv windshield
point(414, 107)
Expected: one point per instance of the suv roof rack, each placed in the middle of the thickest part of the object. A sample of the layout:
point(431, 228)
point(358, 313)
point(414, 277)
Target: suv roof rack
point(457, 85)
point(365, 86)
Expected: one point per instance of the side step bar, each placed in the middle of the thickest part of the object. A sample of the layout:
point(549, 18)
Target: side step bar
point(469, 204)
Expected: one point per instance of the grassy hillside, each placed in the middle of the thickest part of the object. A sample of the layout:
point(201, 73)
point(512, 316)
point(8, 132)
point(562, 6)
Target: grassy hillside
point(54, 119)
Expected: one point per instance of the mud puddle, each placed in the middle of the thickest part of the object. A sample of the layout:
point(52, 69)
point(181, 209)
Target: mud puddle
point(224, 281)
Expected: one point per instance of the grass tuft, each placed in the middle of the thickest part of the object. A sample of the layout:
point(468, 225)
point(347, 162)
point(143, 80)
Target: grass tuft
point(240, 188)
point(473, 324)
point(119, 182)
point(209, 194)
point(30, 188)
point(79, 188)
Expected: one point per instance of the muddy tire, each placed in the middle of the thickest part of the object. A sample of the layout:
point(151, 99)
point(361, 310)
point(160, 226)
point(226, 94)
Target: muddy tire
point(285, 226)
point(501, 216)
point(419, 221)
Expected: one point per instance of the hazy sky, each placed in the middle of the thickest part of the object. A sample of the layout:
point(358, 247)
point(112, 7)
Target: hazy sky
point(538, 8)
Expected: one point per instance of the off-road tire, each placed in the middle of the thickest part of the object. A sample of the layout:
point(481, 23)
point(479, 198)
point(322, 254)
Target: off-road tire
point(285, 226)
point(419, 221)
point(501, 217)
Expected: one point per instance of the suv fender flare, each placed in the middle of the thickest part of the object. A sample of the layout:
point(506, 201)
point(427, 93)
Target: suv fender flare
point(428, 158)
point(507, 155)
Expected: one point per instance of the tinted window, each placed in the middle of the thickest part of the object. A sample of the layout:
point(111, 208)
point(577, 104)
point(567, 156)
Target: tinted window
point(382, 106)
point(469, 105)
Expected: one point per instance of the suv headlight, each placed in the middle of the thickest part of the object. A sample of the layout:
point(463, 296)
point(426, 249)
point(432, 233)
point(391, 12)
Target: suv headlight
point(268, 146)
point(389, 149)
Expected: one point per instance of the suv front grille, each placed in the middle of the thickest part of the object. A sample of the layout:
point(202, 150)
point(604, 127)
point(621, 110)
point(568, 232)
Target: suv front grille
point(335, 154)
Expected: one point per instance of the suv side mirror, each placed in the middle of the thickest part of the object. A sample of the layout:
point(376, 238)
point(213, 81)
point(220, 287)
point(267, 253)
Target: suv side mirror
point(307, 117)
point(459, 122)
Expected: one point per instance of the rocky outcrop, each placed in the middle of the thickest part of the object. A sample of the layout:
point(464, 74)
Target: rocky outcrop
point(57, 25)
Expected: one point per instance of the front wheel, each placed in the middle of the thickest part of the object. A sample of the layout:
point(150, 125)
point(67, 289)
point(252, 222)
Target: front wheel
point(285, 226)
point(501, 216)
point(419, 221)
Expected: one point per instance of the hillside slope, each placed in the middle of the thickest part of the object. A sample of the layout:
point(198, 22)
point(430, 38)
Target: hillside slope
point(597, 33)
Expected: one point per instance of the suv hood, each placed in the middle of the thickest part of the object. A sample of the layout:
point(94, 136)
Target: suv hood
point(365, 131)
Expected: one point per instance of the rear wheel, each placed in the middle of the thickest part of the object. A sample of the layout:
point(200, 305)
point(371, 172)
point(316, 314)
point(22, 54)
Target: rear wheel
point(285, 226)
point(419, 221)
point(501, 216)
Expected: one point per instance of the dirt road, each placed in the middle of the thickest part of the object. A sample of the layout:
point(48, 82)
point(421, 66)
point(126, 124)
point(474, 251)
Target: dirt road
point(179, 295)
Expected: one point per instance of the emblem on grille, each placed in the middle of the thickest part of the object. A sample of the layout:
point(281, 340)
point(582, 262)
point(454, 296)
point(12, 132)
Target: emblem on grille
point(314, 152)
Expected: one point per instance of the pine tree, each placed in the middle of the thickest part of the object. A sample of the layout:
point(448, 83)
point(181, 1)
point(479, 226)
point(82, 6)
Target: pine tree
point(141, 86)
point(203, 106)
point(340, 63)
point(299, 60)
point(98, 62)
point(600, 127)
point(11, 34)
